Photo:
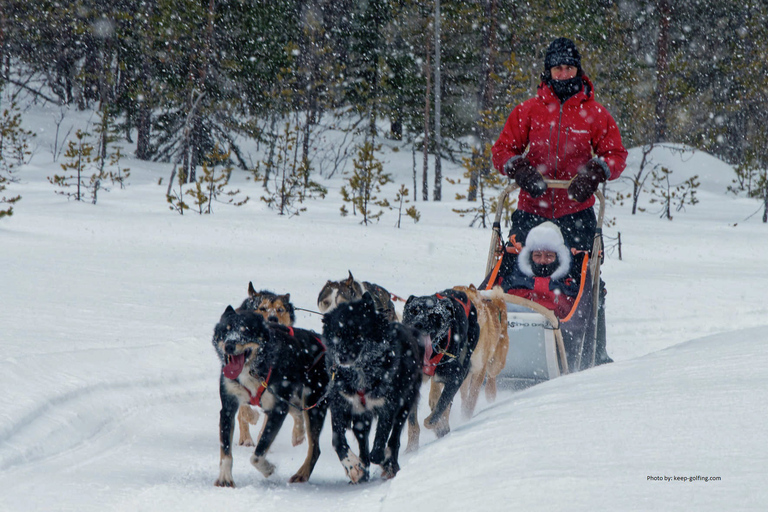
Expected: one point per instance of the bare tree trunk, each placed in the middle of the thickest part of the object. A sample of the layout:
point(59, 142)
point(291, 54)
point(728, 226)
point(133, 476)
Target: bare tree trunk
point(485, 93)
point(144, 131)
point(438, 192)
point(638, 179)
point(413, 153)
point(424, 181)
point(144, 121)
point(765, 202)
point(199, 79)
point(2, 42)
point(662, 66)
point(271, 152)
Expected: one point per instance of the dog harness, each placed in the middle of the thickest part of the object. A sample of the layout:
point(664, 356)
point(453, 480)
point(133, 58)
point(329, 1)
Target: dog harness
point(430, 361)
point(256, 399)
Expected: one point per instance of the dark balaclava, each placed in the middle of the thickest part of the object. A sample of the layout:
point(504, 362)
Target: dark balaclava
point(563, 51)
point(545, 270)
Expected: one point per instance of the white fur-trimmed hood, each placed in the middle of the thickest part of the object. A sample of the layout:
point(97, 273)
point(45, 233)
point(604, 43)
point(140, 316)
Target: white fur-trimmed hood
point(545, 237)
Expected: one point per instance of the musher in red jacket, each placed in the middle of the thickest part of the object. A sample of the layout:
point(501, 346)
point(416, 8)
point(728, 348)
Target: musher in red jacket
point(562, 134)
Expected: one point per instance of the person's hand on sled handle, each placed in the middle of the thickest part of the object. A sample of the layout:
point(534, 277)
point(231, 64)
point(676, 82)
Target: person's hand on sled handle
point(525, 175)
point(589, 177)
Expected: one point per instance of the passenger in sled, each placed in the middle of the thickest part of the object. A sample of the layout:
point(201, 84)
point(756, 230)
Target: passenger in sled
point(541, 271)
point(561, 134)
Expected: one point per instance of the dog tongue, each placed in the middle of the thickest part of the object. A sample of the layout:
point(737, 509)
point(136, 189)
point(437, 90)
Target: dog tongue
point(235, 366)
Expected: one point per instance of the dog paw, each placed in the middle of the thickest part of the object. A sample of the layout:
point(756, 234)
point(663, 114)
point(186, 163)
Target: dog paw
point(265, 467)
point(389, 470)
point(225, 473)
point(298, 478)
point(224, 483)
point(355, 469)
point(246, 442)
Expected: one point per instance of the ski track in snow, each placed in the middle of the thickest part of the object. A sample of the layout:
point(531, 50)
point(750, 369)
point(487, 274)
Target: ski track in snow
point(66, 421)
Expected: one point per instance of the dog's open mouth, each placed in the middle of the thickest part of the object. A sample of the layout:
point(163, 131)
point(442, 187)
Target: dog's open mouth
point(235, 364)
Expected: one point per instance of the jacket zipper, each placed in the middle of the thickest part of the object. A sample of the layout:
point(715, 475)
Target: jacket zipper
point(557, 157)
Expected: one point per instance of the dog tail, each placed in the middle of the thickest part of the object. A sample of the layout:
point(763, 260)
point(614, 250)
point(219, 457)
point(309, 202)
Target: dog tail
point(494, 293)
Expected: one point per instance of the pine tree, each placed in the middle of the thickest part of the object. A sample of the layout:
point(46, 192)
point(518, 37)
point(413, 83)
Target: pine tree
point(401, 199)
point(364, 184)
point(81, 162)
point(211, 186)
point(290, 184)
point(14, 151)
point(670, 196)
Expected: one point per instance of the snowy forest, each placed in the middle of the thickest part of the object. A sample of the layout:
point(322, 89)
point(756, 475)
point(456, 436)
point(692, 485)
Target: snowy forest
point(190, 81)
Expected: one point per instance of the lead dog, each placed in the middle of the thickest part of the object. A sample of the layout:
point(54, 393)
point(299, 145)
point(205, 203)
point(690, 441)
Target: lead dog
point(338, 292)
point(448, 320)
point(277, 368)
point(490, 355)
point(376, 372)
point(277, 308)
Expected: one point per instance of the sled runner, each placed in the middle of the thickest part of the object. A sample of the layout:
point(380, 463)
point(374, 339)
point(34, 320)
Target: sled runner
point(541, 345)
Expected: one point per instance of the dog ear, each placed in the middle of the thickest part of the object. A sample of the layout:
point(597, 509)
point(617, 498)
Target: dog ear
point(229, 311)
point(472, 288)
point(251, 290)
point(409, 299)
point(285, 298)
point(350, 278)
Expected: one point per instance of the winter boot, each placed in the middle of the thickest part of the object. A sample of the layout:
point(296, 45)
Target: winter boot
point(601, 355)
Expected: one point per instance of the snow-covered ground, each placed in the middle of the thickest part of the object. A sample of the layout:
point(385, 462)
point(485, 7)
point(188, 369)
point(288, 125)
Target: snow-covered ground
point(110, 384)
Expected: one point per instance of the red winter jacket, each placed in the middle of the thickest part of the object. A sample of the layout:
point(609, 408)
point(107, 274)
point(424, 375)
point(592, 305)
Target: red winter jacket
point(560, 138)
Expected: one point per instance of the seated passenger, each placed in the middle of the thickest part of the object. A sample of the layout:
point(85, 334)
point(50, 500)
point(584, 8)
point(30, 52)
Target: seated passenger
point(541, 271)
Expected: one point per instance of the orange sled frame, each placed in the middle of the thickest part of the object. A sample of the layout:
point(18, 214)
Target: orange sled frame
point(542, 346)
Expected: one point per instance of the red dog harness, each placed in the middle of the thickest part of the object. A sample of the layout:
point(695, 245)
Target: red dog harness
point(430, 361)
point(256, 399)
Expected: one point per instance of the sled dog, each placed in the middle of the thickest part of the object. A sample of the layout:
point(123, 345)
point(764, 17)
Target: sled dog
point(375, 368)
point(448, 320)
point(274, 308)
point(276, 368)
point(490, 355)
point(338, 292)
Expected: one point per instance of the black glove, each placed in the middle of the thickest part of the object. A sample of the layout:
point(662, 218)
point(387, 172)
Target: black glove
point(587, 180)
point(525, 175)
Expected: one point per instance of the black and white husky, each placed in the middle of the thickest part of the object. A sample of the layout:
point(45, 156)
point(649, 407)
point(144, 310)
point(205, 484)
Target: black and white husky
point(275, 367)
point(375, 370)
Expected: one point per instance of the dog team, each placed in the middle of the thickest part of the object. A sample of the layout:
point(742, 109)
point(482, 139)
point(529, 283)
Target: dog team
point(366, 364)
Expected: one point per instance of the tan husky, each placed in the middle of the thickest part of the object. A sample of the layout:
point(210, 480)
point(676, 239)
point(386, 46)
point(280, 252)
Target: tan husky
point(490, 355)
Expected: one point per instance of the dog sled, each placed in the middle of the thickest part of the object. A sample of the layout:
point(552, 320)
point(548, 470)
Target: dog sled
point(541, 345)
